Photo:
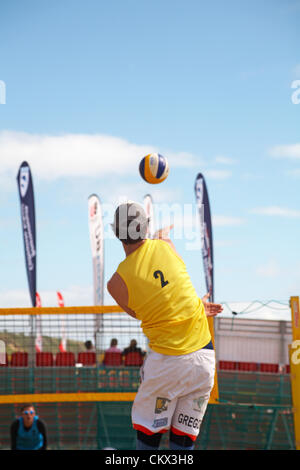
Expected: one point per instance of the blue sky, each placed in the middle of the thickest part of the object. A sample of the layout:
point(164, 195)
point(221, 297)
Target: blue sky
point(93, 86)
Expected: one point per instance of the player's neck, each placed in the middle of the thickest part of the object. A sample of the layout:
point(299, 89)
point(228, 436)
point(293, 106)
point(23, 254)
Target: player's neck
point(131, 248)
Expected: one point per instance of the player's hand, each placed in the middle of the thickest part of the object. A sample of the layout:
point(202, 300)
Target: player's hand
point(163, 233)
point(211, 309)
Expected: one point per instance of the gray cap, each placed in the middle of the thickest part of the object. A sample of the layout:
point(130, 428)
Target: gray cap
point(130, 222)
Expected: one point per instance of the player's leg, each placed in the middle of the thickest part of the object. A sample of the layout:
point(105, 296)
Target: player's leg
point(190, 408)
point(181, 441)
point(154, 404)
point(145, 440)
point(187, 420)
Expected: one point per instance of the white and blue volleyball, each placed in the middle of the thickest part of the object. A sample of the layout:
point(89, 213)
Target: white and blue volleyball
point(154, 168)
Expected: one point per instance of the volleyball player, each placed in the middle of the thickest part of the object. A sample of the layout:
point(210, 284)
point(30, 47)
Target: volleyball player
point(152, 285)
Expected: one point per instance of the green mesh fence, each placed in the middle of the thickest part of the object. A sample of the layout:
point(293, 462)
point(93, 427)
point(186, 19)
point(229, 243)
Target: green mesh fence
point(83, 426)
point(255, 410)
point(254, 387)
point(68, 380)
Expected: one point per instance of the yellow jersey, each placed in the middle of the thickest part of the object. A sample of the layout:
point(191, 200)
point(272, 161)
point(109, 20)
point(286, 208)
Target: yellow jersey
point(163, 297)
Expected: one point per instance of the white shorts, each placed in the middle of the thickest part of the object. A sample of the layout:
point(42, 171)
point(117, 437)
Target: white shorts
point(174, 392)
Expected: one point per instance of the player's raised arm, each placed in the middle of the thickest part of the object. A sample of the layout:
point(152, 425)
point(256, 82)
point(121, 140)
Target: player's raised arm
point(163, 234)
point(211, 309)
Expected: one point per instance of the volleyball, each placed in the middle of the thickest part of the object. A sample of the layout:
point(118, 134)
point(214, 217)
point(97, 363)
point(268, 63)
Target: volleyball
point(154, 168)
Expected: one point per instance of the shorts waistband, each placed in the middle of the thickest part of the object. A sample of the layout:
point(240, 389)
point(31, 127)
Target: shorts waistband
point(209, 345)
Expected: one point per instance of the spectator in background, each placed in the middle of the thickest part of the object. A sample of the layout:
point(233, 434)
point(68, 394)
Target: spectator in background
point(28, 432)
point(113, 355)
point(89, 346)
point(113, 346)
point(133, 348)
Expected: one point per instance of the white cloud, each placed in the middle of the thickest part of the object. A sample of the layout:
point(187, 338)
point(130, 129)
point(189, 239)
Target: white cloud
point(276, 211)
point(73, 296)
point(16, 298)
point(162, 195)
point(295, 173)
point(225, 243)
point(218, 174)
point(78, 155)
point(181, 159)
point(226, 221)
point(286, 151)
point(225, 160)
point(248, 176)
point(270, 269)
point(123, 192)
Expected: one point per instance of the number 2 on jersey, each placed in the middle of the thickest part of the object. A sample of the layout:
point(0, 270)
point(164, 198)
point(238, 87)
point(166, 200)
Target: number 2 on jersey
point(157, 274)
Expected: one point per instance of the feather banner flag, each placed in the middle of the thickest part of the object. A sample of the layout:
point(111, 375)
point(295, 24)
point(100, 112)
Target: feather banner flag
point(206, 233)
point(25, 187)
point(97, 247)
point(208, 259)
point(26, 195)
point(38, 338)
point(63, 342)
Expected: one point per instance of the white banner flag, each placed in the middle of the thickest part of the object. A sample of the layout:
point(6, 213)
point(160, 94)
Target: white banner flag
point(97, 246)
point(63, 342)
point(38, 339)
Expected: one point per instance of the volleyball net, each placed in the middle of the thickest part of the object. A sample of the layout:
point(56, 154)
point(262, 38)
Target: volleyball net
point(56, 359)
point(66, 350)
point(63, 351)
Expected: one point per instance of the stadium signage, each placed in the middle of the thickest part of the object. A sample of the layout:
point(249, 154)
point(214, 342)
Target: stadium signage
point(206, 233)
point(25, 187)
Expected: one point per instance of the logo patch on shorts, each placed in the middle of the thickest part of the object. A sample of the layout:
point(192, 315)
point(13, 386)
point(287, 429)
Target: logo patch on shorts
point(198, 403)
point(161, 404)
point(157, 423)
